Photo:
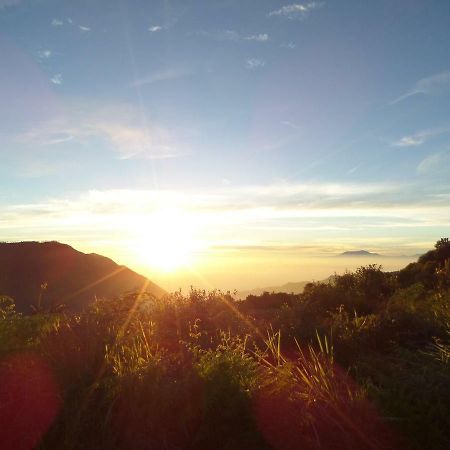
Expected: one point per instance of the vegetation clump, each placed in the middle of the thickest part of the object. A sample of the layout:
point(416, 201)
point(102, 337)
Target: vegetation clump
point(361, 361)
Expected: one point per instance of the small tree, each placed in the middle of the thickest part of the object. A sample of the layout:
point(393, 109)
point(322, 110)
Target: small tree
point(442, 250)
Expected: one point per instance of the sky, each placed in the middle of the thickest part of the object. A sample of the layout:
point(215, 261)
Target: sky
point(227, 144)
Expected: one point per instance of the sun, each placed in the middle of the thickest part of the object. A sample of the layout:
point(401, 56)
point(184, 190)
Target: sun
point(167, 254)
point(164, 241)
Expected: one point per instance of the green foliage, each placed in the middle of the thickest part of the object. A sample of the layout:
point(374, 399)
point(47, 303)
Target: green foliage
point(19, 332)
point(363, 291)
point(417, 315)
point(420, 272)
point(7, 307)
point(230, 379)
point(411, 388)
point(309, 403)
point(432, 268)
point(199, 371)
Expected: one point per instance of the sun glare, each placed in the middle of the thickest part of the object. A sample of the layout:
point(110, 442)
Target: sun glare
point(165, 242)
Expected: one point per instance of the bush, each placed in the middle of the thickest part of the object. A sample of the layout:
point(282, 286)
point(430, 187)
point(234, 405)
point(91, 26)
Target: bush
point(416, 315)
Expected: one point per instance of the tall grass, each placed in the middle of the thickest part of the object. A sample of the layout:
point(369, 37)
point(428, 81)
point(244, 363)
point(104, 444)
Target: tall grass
point(321, 404)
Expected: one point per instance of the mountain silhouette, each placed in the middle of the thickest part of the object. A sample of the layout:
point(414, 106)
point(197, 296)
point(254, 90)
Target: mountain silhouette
point(62, 275)
point(359, 253)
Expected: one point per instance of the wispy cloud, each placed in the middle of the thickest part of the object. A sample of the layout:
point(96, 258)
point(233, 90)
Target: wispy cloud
point(57, 79)
point(434, 84)
point(60, 23)
point(353, 169)
point(233, 35)
point(295, 10)
point(437, 163)
point(262, 37)
point(50, 132)
point(172, 73)
point(409, 141)
point(290, 124)
point(44, 54)
point(290, 45)
point(164, 25)
point(148, 142)
point(119, 128)
point(419, 138)
point(254, 63)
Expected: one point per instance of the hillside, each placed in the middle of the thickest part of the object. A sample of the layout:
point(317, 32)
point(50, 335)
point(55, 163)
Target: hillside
point(72, 278)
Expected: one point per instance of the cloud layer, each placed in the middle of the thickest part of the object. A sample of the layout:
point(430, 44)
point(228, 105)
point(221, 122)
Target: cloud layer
point(274, 207)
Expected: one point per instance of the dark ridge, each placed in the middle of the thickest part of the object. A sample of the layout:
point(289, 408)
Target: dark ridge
point(72, 278)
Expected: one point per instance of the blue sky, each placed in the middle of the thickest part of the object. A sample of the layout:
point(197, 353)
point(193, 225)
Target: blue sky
point(258, 126)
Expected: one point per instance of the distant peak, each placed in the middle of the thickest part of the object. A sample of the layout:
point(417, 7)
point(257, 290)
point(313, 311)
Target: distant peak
point(358, 253)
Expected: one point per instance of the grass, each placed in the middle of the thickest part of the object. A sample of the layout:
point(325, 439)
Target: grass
point(346, 365)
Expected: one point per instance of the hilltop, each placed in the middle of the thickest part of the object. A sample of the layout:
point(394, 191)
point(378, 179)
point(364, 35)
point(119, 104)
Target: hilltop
point(63, 275)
